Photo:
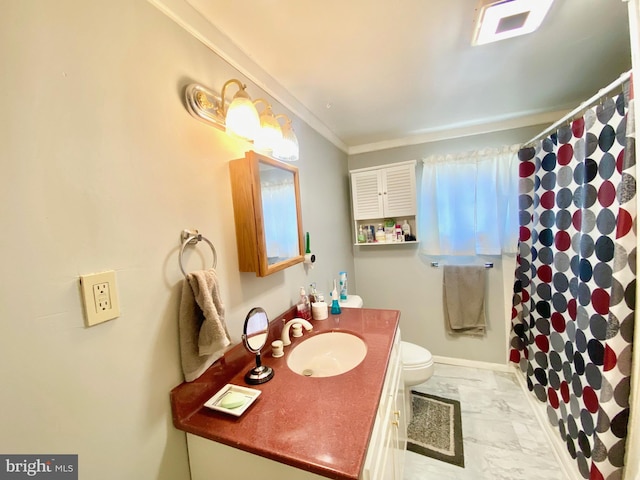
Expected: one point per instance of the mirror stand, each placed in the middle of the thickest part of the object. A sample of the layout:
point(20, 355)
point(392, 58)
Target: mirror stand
point(259, 374)
point(256, 330)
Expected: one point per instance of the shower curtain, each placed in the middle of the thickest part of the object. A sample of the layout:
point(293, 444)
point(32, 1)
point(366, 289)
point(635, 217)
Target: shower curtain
point(574, 293)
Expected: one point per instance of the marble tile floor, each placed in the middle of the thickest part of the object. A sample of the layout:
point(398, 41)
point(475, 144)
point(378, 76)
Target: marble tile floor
point(502, 437)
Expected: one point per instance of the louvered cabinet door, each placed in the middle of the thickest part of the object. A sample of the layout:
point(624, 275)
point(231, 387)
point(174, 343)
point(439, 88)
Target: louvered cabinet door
point(399, 191)
point(366, 189)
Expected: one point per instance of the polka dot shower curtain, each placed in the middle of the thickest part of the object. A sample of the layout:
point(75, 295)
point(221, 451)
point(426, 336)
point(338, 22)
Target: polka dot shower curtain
point(574, 294)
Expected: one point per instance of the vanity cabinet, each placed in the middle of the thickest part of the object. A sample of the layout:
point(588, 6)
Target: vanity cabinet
point(214, 461)
point(384, 459)
point(267, 214)
point(385, 456)
point(378, 193)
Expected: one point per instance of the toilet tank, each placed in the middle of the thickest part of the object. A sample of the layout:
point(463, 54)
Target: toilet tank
point(352, 301)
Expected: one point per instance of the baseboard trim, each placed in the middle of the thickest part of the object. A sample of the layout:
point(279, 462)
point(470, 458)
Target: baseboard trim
point(462, 362)
point(559, 449)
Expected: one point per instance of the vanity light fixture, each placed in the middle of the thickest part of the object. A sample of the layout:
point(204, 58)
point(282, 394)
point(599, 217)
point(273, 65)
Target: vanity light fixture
point(502, 19)
point(270, 134)
point(240, 118)
point(288, 149)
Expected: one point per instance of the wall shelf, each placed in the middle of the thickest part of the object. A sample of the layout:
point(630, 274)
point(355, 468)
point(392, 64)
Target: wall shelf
point(382, 193)
point(379, 244)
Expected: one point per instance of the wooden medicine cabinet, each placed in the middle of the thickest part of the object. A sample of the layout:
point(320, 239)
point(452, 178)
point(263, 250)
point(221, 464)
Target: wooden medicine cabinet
point(268, 218)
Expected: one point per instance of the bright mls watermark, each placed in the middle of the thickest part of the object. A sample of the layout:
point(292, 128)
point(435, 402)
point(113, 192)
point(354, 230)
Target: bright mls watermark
point(40, 467)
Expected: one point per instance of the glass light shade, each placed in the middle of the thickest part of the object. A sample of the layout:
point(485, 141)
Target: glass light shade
point(288, 149)
point(270, 134)
point(242, 117)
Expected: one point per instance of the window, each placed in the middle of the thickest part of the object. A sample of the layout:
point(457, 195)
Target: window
point(468, 203)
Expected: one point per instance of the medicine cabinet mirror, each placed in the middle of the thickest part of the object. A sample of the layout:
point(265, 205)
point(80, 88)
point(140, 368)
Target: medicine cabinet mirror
point(266, 208)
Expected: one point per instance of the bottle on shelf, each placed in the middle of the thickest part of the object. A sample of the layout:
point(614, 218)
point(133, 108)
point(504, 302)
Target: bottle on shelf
point(361, 236)
point(370, 233)
point(380, 235)
point(399, 237)
point(406, 229)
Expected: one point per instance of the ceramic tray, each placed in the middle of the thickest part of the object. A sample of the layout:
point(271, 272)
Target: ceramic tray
point(250, 394)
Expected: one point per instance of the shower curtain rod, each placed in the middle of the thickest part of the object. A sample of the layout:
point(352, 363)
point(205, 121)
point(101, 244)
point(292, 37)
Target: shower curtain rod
point(583, 106)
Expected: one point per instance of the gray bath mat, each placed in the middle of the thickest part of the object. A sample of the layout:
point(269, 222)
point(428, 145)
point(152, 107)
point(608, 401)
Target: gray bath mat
point(436, 428)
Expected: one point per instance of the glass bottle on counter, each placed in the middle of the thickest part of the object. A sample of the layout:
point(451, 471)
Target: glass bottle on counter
point(303, 306)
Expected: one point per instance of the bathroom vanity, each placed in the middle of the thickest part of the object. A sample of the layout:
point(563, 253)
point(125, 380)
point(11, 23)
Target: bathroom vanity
point(348, 427)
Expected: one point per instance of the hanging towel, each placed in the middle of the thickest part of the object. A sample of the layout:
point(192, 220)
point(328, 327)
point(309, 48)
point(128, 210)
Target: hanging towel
point(463, 299)
point(203, 331)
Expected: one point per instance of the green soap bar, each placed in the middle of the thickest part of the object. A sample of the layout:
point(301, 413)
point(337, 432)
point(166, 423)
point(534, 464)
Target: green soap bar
point(233, 400)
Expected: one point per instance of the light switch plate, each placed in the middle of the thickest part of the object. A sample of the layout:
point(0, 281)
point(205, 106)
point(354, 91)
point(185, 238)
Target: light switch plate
point(100, 296)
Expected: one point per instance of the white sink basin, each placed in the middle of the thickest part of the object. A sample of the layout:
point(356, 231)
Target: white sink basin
point(327, 354)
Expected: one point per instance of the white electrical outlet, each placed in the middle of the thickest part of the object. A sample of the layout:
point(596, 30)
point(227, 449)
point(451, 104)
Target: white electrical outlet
point(100, 297)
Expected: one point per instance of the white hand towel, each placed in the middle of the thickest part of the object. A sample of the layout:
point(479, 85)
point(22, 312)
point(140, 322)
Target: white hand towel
point(203, 331)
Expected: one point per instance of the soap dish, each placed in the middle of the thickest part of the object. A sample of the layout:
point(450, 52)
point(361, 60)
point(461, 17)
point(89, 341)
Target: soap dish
point(217, 401)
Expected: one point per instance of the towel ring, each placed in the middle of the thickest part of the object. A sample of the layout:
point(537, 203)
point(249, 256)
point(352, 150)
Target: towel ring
point(193, 237)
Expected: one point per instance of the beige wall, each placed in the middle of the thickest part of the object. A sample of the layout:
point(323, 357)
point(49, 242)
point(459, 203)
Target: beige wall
point(395, 276)
point(102, 167)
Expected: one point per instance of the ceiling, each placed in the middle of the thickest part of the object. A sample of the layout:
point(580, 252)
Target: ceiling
point(369, 75)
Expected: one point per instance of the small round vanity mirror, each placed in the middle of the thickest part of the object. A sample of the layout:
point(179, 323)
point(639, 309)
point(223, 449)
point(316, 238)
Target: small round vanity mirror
point(256, 329)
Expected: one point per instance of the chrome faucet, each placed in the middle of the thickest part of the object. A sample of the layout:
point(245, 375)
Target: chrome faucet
point(285, 330)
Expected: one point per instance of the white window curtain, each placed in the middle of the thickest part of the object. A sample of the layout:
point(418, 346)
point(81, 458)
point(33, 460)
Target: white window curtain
point(468, 203)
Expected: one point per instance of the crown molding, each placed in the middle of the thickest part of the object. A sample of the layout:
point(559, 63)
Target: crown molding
point(462, 130)
point(191, 20)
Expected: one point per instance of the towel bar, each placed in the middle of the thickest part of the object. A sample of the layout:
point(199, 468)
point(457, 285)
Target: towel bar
point(192, 237)
point(486, 265)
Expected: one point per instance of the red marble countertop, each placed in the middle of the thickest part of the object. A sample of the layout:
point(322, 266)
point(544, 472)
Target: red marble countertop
point(321, 425)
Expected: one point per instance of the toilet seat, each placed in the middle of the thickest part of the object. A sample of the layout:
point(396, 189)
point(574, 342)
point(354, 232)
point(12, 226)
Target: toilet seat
point(414, 357)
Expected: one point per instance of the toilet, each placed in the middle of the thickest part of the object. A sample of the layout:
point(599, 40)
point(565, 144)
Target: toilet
point(417, 362)
point(352, 301)
point(417, 368)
